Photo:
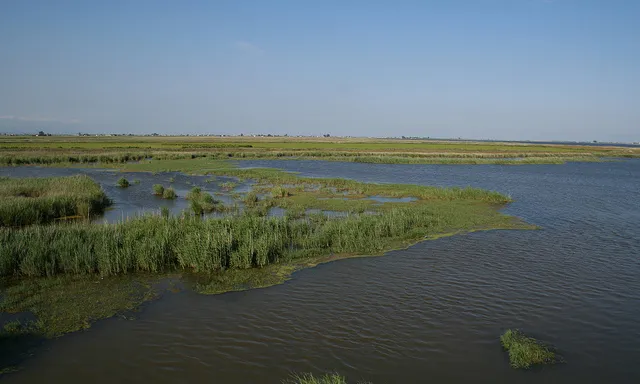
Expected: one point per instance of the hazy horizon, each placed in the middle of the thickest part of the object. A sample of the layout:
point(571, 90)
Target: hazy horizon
point(556, 70)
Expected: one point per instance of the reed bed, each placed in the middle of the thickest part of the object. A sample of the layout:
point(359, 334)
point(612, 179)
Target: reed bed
point(373, 152)
point(42, 200)
point(155, 243)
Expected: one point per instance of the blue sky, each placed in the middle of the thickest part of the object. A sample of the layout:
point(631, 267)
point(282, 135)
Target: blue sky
point(485, 69)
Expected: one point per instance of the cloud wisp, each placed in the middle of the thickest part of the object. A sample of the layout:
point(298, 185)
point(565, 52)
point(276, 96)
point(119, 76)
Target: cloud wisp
point(248, 48)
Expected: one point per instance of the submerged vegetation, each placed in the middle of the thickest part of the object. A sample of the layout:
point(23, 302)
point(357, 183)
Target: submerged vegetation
point(25, 201)
point(65, 304)
point(524, 351)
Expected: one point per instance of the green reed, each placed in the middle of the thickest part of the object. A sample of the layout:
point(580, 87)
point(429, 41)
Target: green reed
point(25, 201)
point(169, 194)
point(156, 243)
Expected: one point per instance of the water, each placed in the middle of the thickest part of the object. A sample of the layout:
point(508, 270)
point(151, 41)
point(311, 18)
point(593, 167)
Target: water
point(138, 199)
point(431, 313)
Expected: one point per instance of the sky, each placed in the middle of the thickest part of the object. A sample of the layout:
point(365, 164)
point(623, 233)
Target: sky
point(482, 69)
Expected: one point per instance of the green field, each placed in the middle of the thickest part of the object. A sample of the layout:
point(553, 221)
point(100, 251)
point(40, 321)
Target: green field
point(104, 149)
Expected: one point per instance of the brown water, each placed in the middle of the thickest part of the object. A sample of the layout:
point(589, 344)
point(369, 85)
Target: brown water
point(429, 314)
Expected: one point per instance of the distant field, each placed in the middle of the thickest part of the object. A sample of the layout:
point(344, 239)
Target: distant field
point(55, 148)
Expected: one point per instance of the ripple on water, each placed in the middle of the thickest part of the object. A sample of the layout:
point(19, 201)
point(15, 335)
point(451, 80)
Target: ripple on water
point(431, 313)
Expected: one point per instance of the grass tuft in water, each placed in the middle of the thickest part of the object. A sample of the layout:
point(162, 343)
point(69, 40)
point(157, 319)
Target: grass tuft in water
point(194, 193)
point(169, 194)
point(251, 199)
point(525, 351)
point(123, 183)
point(228, 185)
point(279, 191)
point(158, 189)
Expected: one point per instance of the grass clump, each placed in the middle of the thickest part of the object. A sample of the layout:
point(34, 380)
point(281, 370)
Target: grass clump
point(228, 185)
point(169, 194)
point(26, 201)
point(194, 193)
point(296, 211)
point(123, 183)
point(279, 191)
point(158, 189)
point(202, 202)
point(251, 199)
point(525, 351)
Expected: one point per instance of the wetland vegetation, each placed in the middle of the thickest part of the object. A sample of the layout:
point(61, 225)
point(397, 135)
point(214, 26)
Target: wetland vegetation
point(525, 352)
point(69, 274)
point(123, 183)
point(42, 200)
point(54, 150)
point(241, 250)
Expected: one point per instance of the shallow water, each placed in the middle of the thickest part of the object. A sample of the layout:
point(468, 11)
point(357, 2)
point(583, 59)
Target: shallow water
point(138, 199)
point(431, 313)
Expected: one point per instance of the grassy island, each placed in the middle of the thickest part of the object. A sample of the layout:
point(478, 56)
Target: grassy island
point(42, 200)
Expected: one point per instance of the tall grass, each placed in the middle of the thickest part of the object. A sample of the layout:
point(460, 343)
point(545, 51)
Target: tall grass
point(169, 194)
point(202, 202)
point(41, 200)
point(525, 351)
point(156, 243)
point(251, 199)
point(279, 191)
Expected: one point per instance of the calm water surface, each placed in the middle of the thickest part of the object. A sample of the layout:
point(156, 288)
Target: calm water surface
point(429, 314)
